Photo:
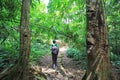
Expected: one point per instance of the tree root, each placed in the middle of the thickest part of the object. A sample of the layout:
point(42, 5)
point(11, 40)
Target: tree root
point(16, 73)
point(5, 73)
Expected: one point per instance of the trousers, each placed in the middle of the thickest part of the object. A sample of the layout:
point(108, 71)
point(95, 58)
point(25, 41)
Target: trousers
point(54, 58)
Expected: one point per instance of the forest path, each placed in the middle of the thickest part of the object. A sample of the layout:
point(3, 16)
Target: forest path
point(67, 69)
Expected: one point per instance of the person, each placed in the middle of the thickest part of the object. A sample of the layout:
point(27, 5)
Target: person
point(54, 52)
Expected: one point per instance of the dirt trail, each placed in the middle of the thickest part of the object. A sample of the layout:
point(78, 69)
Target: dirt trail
point(67, 69)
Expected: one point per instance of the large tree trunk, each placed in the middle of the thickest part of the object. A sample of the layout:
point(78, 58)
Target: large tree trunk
point(97, 43)
point(20, 70)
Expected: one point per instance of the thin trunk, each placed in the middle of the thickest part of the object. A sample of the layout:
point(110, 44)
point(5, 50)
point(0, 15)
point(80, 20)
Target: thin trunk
point(24, 39)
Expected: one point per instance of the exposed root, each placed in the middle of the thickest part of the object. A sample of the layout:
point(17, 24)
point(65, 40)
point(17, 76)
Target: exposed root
point(16, 73)
point(37, 71)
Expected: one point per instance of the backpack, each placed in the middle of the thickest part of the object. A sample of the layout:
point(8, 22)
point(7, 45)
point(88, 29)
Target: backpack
point(54, 49)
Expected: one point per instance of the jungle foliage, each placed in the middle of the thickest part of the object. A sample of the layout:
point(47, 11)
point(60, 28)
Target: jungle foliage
point(60, 19)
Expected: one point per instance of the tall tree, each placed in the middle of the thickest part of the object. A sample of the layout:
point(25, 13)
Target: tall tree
point(20, 70)
point(24, 39)
point(97, 43)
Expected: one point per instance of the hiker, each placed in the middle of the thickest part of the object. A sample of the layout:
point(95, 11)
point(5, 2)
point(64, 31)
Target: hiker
point(54, 52)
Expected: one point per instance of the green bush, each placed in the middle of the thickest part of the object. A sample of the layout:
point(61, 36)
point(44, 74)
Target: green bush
point(114, 59)
point(8, 57)
point(77, 55)
point(73, 53)
point(70, 52)
point(38, 50)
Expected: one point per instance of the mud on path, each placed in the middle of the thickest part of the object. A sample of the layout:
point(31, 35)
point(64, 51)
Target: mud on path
point(67, 69)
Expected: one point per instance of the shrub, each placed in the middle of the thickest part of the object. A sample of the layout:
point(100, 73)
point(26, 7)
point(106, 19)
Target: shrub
point(115, 60)
point(73, 53)
point(77, 55)
point(7, 58)
point(70, 52)
point(38, 50)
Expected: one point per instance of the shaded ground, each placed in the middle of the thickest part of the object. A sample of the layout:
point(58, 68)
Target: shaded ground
point(67, 69)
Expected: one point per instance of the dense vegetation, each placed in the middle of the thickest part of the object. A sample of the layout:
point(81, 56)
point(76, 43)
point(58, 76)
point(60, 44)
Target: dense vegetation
point(62, 20)
point(113, 16)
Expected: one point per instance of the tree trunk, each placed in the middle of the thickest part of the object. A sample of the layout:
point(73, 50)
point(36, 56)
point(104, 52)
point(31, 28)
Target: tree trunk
point(97, 43)
point(24, 39)
point(20, 71)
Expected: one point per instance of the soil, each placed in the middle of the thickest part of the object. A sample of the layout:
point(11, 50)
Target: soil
point(67, 69)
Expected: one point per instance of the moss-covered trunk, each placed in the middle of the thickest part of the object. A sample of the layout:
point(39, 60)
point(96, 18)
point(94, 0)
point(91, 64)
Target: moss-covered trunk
point(97, 42)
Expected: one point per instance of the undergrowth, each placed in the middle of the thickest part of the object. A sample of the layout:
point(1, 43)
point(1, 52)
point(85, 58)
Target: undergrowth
point(9, 52)
point(77, 55)
point(38, 50)
point(115, 59)
point(8, 57)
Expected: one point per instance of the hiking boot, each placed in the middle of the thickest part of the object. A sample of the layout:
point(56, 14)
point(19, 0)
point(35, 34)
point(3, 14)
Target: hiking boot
point(54, 66)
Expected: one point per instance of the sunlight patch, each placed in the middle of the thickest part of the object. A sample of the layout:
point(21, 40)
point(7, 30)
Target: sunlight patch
point(63, 49)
